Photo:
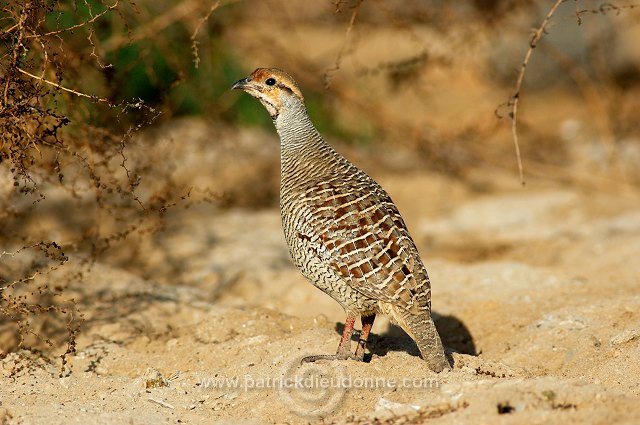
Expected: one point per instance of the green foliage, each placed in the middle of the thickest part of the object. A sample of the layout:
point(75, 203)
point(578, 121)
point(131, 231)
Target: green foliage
point(170, 71)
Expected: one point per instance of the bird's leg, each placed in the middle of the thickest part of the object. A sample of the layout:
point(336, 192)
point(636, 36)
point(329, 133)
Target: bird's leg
point(344, 348)
point(367, 324)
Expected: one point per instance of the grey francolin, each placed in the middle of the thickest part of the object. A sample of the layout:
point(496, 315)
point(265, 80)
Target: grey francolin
point(343, 230)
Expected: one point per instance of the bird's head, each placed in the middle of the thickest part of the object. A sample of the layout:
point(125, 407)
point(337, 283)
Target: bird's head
point(274, 88)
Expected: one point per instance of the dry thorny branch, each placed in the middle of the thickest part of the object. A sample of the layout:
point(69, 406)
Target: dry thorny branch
point(46, 142)
point(538, 33)
point(513, 101)
point(194, 36)
point(328, 75)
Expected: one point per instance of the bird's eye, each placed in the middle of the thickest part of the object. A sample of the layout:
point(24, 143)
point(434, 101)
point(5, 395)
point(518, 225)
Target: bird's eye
point(270, 81)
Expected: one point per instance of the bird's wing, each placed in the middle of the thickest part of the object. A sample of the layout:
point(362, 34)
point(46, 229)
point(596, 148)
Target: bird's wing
point(366, 241)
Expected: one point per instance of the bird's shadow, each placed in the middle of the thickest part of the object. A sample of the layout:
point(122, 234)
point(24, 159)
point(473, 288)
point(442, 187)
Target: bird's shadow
point(454, 334)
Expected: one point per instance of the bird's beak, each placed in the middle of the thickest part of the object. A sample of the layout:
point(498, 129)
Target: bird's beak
point(241, 84)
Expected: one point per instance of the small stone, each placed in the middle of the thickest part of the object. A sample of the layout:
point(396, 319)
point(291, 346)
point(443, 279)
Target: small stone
point(395, 407)
point(154, 379)
point(626, 336)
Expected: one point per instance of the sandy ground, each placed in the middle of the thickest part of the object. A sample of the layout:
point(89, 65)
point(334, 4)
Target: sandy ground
point(535, 292)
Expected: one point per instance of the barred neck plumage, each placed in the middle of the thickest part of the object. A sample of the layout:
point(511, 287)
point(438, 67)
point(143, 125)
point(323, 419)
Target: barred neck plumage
point(304, 154)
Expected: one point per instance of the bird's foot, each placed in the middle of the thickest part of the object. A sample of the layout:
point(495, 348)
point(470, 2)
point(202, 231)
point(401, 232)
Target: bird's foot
point(344, 348)
point(311, 359)
point(359, 354)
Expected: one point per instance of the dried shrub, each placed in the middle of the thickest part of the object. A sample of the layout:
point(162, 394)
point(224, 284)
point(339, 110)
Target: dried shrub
point(67, 138)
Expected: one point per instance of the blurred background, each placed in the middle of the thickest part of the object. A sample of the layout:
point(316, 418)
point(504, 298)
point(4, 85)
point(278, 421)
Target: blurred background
point(118, 126)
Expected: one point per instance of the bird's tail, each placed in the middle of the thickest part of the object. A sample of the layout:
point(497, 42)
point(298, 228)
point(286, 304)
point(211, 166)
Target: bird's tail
point(421, 328)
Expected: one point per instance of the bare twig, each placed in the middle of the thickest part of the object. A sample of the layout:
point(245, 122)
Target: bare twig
point(161, 403)
point(603, 9)
point(137, 105)
point(16, 53)
point(194, 42)
point(82, 24)
point(513, 101)
point(56, 85)
point(328, 74)
point(338, 4)
point(179, 11)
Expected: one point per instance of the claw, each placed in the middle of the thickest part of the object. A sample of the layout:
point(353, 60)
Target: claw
point(311, 359)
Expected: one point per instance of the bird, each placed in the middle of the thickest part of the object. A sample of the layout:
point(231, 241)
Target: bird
point(343, 231)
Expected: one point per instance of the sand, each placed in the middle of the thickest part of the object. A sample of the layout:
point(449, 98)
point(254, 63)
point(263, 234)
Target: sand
point(535, 293)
